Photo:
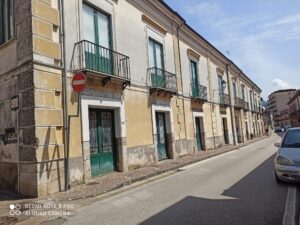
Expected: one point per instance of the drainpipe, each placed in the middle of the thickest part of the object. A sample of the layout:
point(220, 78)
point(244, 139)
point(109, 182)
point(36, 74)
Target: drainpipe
point(231, 111)
point(65, 101)
point(179, 56)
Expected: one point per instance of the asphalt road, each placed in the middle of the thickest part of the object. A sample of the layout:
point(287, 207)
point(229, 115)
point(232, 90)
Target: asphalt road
point(237, 188)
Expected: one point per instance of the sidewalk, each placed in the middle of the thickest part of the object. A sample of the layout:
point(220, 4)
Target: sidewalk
point(114, 181)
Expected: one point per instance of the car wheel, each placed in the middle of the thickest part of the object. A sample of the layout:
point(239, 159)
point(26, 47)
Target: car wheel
point(278, 180)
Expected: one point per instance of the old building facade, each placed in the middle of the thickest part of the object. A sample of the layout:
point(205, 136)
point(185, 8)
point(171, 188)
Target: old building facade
point(294, 109)
point(155, 90)
point(279, 107)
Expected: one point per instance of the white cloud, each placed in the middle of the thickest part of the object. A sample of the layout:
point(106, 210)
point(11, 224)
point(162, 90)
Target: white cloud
point(283, 29)
point(280, 84)
point(252, 40)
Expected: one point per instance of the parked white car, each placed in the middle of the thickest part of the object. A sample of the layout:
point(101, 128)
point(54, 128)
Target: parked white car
point(287, 160)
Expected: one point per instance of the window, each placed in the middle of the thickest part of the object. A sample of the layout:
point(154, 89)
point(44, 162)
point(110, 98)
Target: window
point(96, 27)
point(220, 82)
point(6, 20)
point(243, 91)
point(194, 78)
point(156, 62)
point(234, 90)
point(194, 72)
point(156, 54)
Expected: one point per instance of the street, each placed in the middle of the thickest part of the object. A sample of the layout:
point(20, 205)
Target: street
point(231, 189)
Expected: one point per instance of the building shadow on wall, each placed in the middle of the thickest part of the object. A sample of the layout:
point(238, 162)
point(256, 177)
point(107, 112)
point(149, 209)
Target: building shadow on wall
point(51, 162)
point(255, 200)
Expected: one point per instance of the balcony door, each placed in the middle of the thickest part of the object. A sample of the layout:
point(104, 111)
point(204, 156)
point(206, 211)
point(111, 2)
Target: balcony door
point(194, 78)
point(234, 90)
point(97, 33)
point(156, 61)
point(243, 92)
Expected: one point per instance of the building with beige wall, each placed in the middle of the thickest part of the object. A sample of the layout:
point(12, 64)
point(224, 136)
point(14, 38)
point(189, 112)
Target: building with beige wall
point(294, 109)
point(156, 89)
point(279, 107)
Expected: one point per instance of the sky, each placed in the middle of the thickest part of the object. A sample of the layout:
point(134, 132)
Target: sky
point(262, 37)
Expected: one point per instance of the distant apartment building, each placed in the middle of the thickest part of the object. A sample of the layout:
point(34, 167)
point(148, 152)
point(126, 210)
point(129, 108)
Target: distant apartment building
point(278, 105)
point(294, 109)
point(156, 90)
point(268, 118)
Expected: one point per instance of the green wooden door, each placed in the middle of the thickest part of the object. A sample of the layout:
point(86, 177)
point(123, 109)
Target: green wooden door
point(161, 136)
point(102, 142)
point(199, 142)
point(225, 131)
point(97, 32)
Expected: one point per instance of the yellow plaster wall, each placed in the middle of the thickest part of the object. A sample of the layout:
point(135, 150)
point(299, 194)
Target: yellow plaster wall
point(46, 135)
point(138, 118)
point(46, 47)
point(44, 98)
point(49, 152)
point(45, 11)
point(178, 118)
point(42, 28)
point(47, 80)
point(207, 120)
point(189, 120)
point(47, 117)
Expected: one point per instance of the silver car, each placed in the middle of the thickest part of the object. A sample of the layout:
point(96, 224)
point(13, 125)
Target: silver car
point(287, 160)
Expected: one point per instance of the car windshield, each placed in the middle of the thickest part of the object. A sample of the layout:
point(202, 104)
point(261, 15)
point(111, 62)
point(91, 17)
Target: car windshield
point(292, 139)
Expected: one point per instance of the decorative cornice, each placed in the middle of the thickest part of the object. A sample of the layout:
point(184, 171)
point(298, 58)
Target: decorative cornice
point(192, 53)
point(154, 24)
point(220, 71)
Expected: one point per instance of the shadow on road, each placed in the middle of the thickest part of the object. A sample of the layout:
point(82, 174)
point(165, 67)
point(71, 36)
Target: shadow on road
point(255, 200)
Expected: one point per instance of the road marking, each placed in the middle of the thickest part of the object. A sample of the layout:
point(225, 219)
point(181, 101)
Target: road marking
point(290, 207)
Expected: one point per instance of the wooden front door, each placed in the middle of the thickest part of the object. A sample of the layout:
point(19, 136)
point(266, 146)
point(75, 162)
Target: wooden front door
point(161, 136)
point(225, 131)
point(102, 141)
point(199, 134)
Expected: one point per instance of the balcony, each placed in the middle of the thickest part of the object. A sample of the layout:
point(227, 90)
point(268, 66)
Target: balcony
point(162, 82)
point(255, 109)
point(97, 61)
point(239, 103)
point(198, 92)
point(224, 99)
point(247, 107)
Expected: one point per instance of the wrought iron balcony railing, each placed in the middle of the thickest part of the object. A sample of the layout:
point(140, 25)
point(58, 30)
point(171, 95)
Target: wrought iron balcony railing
point(198, 91)
point(239, 103)
point(88, 56)
point(224, 99)
point(162, 80)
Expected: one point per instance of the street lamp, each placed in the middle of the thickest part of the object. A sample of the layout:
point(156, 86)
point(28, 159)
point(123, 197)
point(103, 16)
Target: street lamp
point(224, 85)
